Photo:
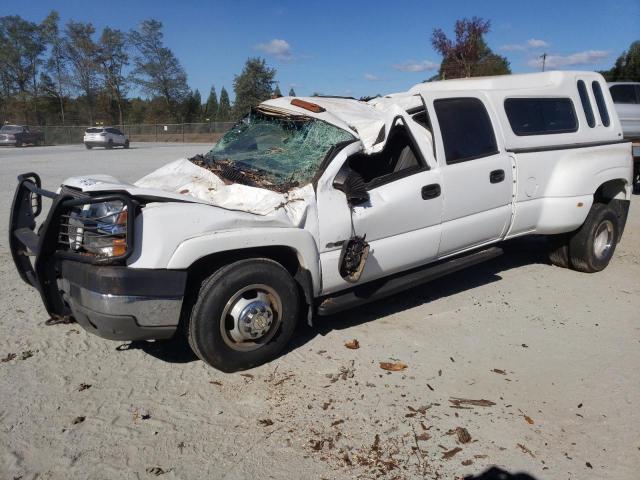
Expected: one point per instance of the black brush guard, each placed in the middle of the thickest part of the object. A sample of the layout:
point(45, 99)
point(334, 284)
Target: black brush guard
point(37, 255)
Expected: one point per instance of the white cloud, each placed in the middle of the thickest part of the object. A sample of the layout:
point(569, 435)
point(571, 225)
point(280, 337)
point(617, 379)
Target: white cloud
point(417, 66)
point(537, 43)
point(371, 77)
point(277, 47)
point(532, 43)
point(588, 57)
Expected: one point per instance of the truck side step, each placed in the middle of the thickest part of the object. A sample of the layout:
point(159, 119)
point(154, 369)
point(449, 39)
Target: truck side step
point(391, 285)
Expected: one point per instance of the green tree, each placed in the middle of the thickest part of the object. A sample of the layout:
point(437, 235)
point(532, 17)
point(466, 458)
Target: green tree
point(292, 92)
point(112, 59)
point(192, 108)
point(253, 85)
point(211, 107)
point(468, 55)
point(627, 66)
point(21, 47)
point(82, 54)
point(224, 110)
point(156, 69)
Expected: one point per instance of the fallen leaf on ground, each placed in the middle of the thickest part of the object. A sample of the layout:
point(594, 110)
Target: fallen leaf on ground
point(526, 450)
point(26, 354)
point(83, 386)
point(497, 370)
point(8, 358)
point(528, 419)
point(157, 471)
point(589, 465)
point(467, 401)
point(451, 453)
point(337, 422)
point(423, 436)
point(215, 382)
point(265, 422)
point(145, 416)
point(78, 420)
point(466, 463)
point(353, 344)
point(393, 367)
point(462, 434)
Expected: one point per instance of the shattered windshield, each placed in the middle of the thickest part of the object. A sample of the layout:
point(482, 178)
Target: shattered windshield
point(274, 152)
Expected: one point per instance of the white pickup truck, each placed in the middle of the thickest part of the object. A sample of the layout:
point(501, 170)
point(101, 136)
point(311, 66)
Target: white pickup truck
point(313, 205)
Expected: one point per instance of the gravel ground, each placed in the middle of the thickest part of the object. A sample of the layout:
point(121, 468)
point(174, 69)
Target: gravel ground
point(556, 353)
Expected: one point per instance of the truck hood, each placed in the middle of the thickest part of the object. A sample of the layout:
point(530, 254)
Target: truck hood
point(184, 181)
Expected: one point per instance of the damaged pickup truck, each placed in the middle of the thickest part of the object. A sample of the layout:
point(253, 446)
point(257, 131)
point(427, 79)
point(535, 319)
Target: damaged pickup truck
point(309, 206)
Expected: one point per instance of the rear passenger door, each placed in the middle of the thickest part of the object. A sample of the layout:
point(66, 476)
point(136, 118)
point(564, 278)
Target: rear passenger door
point(477, 174)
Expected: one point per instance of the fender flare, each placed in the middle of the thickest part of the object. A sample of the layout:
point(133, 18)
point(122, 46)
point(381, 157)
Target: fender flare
point(301, 241)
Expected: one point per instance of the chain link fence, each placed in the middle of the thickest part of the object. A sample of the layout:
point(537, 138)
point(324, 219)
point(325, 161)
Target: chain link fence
point(161, 132)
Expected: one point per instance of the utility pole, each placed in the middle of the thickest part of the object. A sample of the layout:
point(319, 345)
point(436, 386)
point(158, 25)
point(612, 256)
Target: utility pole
point(544, 60)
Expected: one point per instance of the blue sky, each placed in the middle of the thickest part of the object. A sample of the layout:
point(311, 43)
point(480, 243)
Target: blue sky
point(361, 47)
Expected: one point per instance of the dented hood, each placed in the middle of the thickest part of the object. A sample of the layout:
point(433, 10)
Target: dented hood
point(184, 181)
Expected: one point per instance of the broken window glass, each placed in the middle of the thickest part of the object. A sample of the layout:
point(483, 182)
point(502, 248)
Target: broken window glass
point(273, 151)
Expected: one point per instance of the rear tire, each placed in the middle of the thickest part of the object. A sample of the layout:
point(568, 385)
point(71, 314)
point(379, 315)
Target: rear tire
point(245, 314)
point(89, 147)
point(592, 246)
point(126, 144)
point(559, 250)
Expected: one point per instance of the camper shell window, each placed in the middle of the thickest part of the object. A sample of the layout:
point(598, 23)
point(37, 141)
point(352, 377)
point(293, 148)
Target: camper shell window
point(541, 116)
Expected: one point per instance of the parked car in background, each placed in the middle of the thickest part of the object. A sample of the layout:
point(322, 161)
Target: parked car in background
point(107, 137)
point(19, 135)
point(626, 97)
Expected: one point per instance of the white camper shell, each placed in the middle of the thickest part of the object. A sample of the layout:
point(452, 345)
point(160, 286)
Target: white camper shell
point(311, 205)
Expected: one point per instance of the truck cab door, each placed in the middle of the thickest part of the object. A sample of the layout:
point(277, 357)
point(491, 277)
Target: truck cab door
point(401, 219)
point(477, 173)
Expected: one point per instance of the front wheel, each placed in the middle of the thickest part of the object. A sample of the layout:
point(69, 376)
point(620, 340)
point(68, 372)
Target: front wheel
point(126, 144)
point(245, 314)
point(592, 246)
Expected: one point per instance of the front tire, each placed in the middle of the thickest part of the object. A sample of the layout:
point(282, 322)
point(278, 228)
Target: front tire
point(89, 147)
point(592, 246)
point(245, 314)
point(126, 144)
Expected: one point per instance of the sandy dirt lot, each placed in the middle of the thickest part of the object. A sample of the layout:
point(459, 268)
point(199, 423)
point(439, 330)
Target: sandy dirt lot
point(556, 353)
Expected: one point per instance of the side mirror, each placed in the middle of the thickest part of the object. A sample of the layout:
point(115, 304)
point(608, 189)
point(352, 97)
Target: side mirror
point(352, 185)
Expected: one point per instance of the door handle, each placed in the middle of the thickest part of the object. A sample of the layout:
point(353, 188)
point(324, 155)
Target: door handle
point(496, 176)
point(430, 191)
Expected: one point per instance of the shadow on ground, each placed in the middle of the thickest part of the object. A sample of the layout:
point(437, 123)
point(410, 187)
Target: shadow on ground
point(519, 252)
point(495, 473)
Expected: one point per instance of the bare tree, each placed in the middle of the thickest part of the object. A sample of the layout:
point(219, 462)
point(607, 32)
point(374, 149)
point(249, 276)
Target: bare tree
point(82, 53)
point(55, 81)
point(112, 59)
point(156, 68)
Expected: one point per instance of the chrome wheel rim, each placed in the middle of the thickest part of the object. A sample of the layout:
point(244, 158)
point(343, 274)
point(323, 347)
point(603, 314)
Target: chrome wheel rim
point(603, 240)
point(251, 317)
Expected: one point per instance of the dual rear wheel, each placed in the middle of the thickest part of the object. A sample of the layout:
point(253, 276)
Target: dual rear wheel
point(591, 247)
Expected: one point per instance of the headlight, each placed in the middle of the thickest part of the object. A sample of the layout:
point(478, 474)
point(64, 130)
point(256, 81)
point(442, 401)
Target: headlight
point(100, 228)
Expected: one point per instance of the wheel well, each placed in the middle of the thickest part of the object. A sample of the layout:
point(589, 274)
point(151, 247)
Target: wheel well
point(205, 266)
point(613, 189)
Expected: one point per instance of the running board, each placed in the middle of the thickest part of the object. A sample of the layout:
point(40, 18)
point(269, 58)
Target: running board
point(385, 287)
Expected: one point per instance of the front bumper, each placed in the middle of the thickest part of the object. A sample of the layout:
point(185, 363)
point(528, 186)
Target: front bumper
point(121, 303)
point(7, 141)
point(115, 302)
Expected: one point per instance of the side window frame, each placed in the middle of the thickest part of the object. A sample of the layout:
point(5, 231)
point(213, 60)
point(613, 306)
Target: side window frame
point(422, 166)
point(601, 103)
point(587, 107)
point(491, 123)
